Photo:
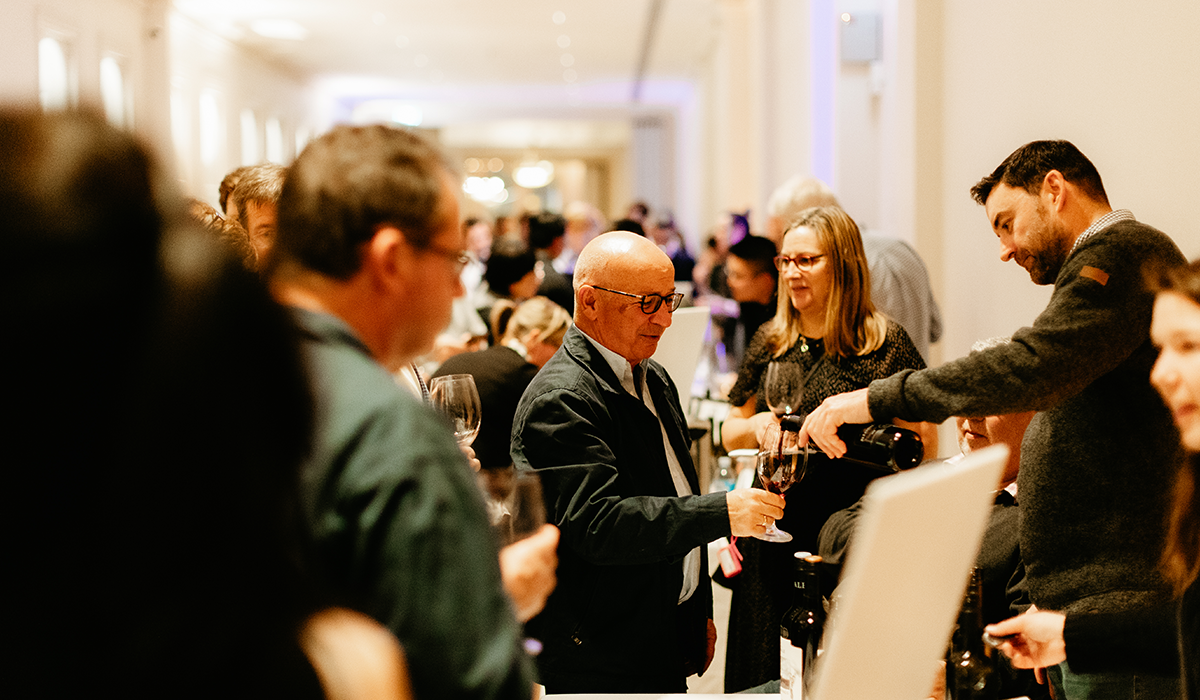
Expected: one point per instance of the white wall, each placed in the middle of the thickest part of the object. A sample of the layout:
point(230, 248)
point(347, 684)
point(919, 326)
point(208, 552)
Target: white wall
point(1120, 80)
point(130, 31)
point(234, 79)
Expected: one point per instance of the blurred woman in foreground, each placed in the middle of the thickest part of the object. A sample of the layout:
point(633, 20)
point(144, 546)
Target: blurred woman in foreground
point(1162, 640)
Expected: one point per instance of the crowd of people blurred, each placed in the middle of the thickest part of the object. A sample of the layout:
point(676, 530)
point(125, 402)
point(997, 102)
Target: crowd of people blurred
point(253, 494)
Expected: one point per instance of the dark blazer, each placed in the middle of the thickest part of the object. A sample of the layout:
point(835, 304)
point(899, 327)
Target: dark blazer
point(501, 376)
point(614, 623)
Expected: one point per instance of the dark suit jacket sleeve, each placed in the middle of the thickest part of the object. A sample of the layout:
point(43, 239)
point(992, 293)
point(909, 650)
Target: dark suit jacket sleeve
point(565, 436)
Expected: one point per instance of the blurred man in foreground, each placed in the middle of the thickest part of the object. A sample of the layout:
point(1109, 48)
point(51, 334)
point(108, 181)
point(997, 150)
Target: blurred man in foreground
point(368, 258)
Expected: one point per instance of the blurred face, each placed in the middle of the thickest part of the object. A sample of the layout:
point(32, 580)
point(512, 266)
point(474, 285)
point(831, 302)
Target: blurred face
point(479, 240)
point(527, 286)
point(435, 280)
point(1176, 331)
point(807, 289)
point(622, 325)
point(746, 283)
point(1028, 234)
point(260, 225)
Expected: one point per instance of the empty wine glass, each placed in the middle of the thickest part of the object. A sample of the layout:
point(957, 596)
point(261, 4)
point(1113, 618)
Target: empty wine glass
point(784, 388)
point(457, 398)
point(778, 468)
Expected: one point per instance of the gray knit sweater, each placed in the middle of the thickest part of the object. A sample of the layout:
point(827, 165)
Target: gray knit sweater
point(1098, 459)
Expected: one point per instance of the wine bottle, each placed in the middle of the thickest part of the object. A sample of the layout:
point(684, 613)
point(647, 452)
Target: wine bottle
point(971, 672)
point(880, 446)
point(800, 630)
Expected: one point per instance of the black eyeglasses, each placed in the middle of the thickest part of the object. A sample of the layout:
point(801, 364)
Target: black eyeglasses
point(650, 302)
point(802, 262)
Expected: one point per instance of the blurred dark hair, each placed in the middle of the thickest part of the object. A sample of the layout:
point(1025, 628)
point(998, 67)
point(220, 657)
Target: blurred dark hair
point(629, 225)
point(1026, 168)
point(158, 416)
point(544, 229)
point(349, 183)
point(509, 261)
point(759, 252)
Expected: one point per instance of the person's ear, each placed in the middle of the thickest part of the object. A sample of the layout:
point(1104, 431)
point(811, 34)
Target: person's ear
point(387, 257)
point(585, 302)
point(1054, 190)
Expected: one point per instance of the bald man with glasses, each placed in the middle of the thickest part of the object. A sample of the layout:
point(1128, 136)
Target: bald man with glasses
point(602, 425)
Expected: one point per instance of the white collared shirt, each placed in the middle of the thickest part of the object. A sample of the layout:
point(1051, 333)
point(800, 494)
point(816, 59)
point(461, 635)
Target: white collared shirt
point(624, 371)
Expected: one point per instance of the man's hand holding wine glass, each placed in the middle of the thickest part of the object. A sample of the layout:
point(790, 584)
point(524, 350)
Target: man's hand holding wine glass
point(752, 510)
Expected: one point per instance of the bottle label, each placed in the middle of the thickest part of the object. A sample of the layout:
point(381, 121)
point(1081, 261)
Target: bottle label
point(791, 670)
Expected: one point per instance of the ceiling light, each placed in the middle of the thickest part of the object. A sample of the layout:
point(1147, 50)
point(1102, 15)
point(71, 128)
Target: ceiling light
point(485, 189)
point(287, 29)
point(534, 175)
point(407, 115)
point(570, 75)
point(568, 60)
point(559, 17)
point(378, 18)
point(847, 17)
point(401, 41)
point(563, 41)
point(420, 60)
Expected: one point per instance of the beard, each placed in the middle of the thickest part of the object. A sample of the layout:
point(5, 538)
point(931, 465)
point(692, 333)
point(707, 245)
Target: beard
point(1048, 247)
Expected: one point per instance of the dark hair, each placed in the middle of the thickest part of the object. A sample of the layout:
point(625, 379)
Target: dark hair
point(629, 225)
point(758, 252)
point(1026, 168)
point(509, 261)
point(544, 229)
point(174, 469)
point(260, 184)
point(1181, 558)
point(349, 183)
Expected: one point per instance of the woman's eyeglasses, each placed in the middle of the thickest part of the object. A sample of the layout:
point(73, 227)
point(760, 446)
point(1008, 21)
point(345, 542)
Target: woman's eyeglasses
point(802, 262)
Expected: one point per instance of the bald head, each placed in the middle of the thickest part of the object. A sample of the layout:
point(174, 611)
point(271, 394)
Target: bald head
point(610, 268)
point(617, 257)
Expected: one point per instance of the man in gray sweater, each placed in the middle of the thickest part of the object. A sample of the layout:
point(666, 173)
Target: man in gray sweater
point(1097, 460)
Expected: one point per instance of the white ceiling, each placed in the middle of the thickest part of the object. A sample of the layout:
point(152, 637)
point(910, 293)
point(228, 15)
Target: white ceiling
point(492, 48)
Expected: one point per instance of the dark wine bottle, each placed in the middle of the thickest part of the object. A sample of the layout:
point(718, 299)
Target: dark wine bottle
point(971, 672)
point(800, 630)
point(880, 446)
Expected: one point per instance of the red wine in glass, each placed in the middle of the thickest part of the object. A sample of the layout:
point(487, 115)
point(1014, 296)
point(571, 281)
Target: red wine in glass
point(777, 470)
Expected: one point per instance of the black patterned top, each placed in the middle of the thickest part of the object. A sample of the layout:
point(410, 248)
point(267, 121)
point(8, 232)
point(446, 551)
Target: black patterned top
point(833, 377)
point(762, 592)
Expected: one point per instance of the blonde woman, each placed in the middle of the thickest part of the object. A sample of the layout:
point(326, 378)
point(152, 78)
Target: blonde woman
point(826, 324)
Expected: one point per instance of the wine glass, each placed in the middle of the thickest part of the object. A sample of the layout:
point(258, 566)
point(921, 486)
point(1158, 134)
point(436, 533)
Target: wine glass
point(778, 469)
point(457, 398)
point(784, 388)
